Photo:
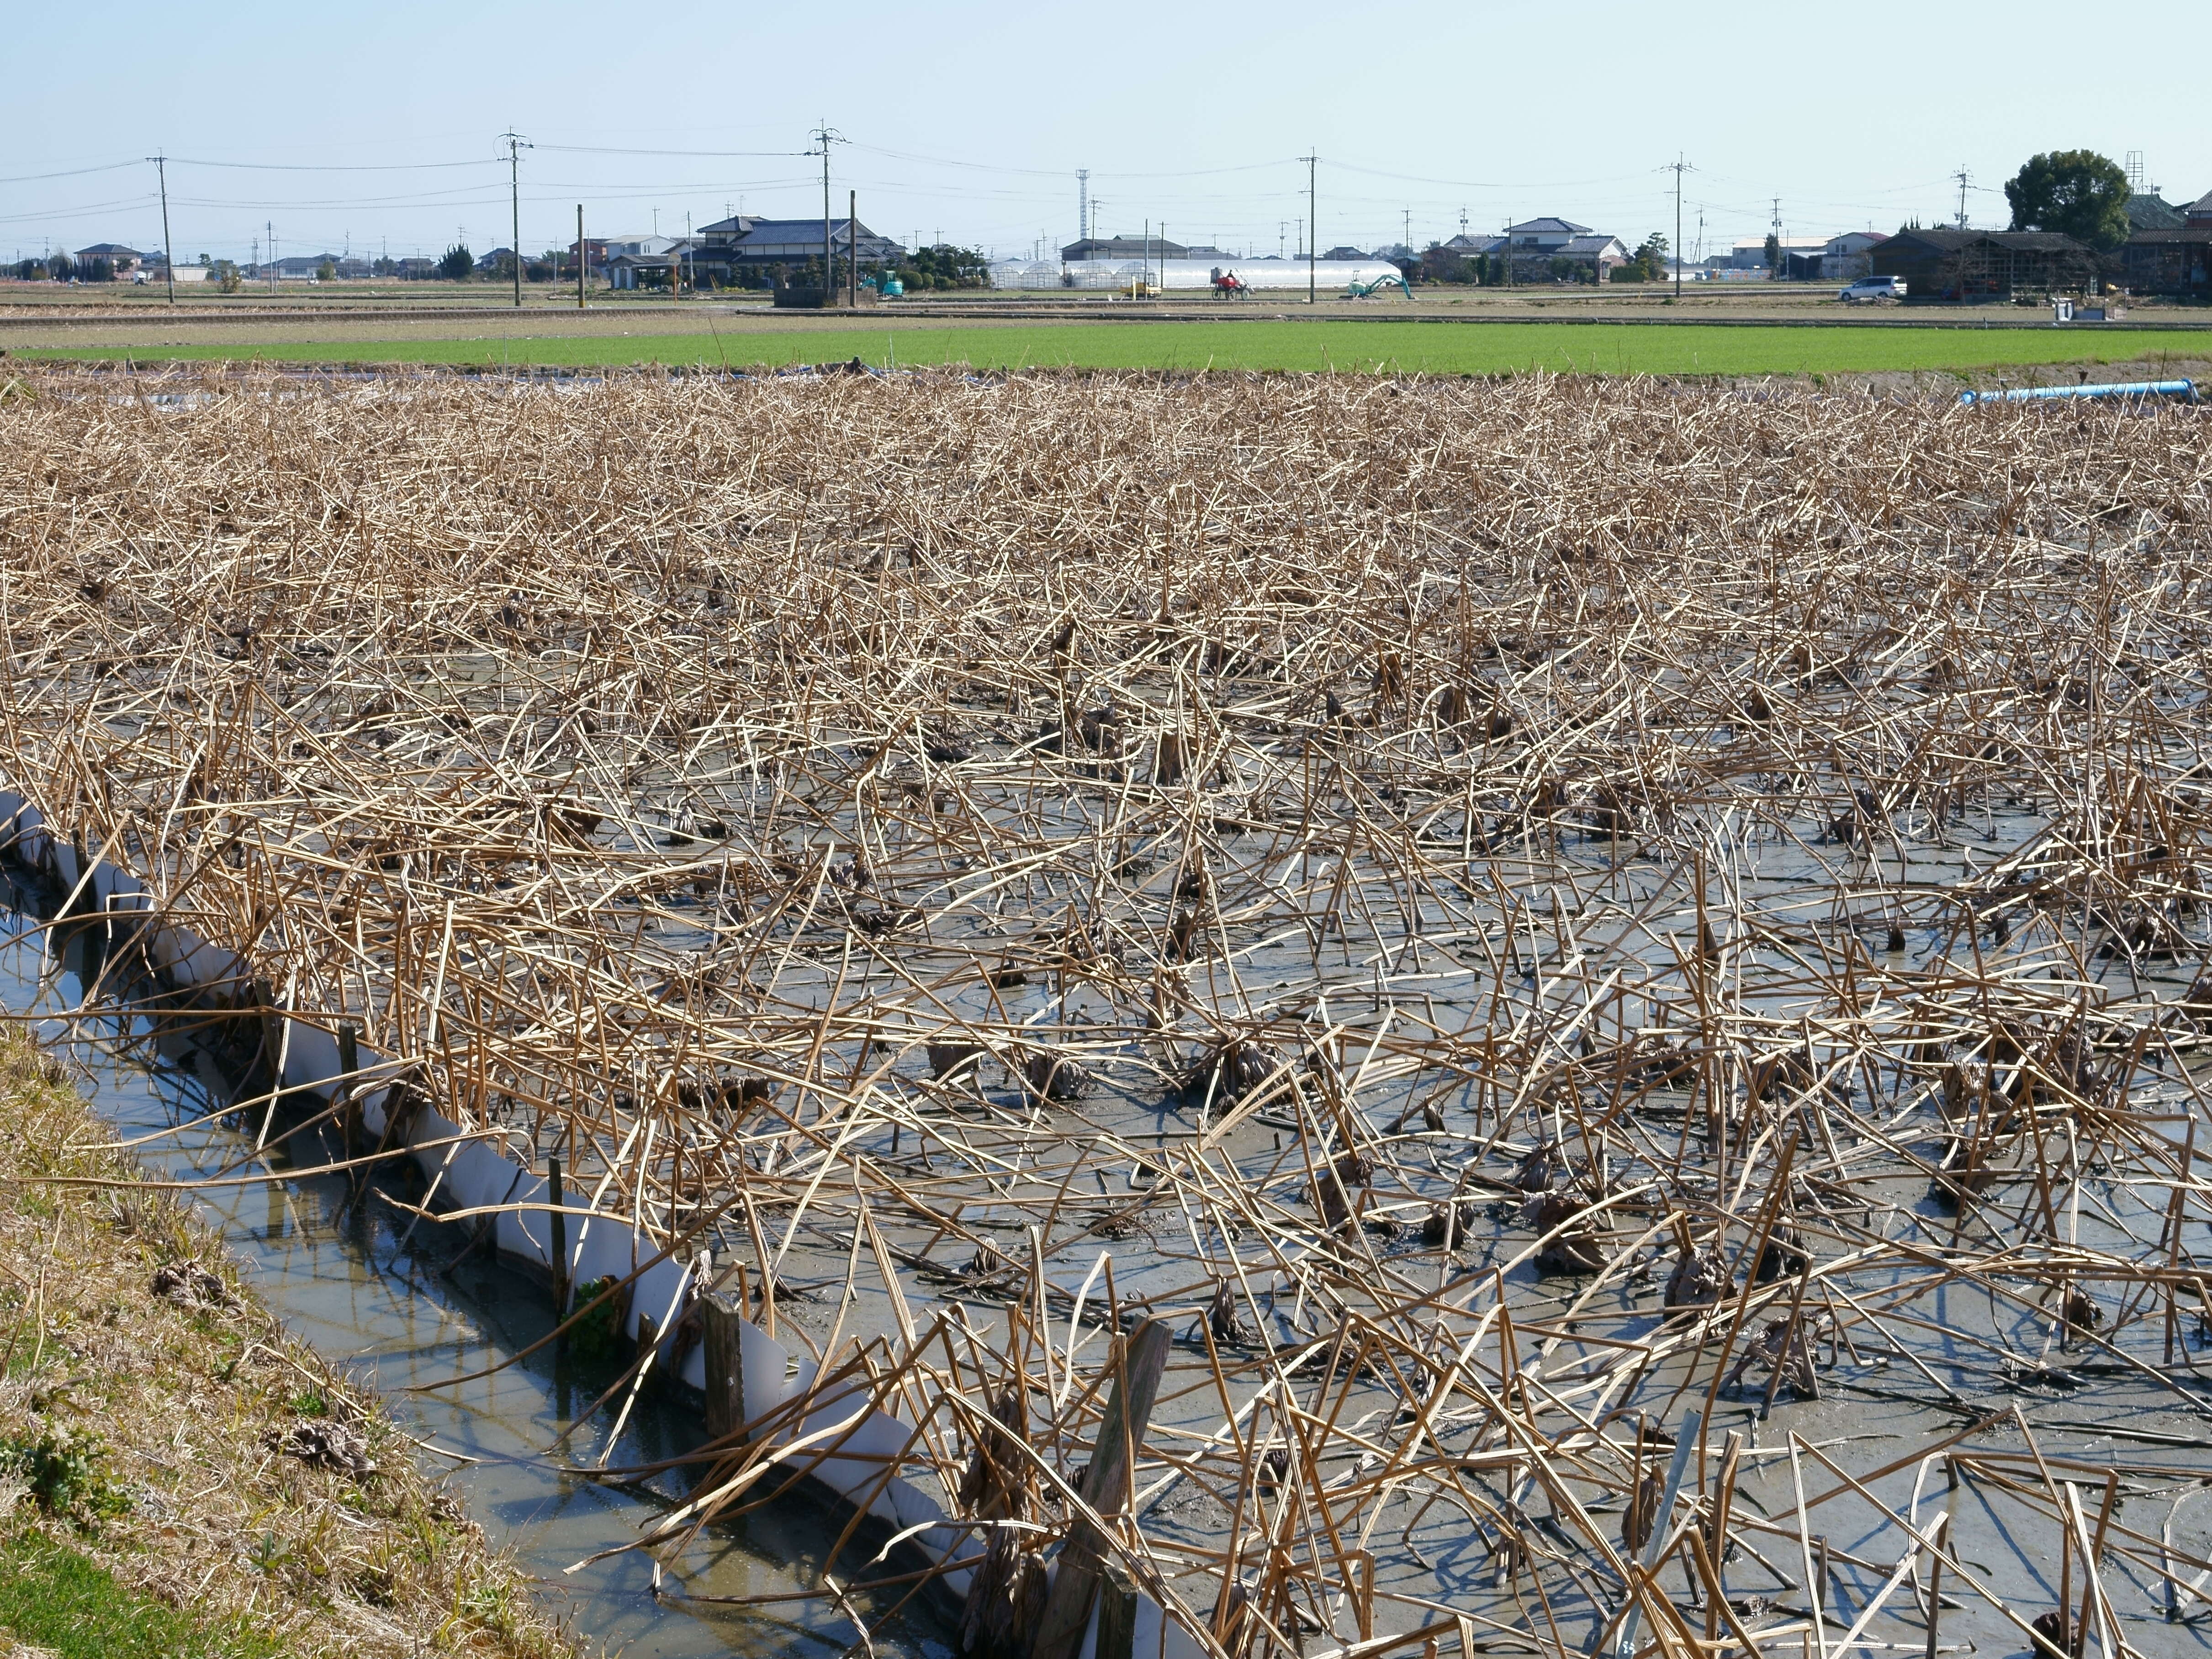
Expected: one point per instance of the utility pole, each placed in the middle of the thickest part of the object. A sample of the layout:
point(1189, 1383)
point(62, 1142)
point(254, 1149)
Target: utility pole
point(1083, 204)
point(852, 249)
point(1781, 265)
point(1678, 164)
point(825, 135)
point(169, 249)
point(1961, 176)
point(582, 257)
point(269, 225)
point(1313, 222)
point(1408, 241)
point(515, 146)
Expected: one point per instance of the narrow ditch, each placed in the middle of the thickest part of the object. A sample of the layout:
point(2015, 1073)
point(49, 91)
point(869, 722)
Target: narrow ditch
point(410, 1305)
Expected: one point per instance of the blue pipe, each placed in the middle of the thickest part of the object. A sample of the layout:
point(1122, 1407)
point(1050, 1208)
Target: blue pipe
point(2185, 390)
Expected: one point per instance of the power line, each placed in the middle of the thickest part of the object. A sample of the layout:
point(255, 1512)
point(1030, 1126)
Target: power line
point(332, 167)
point(71, 173)
point(704, 155)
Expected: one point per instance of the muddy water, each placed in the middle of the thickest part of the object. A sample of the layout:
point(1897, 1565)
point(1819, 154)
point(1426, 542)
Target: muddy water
point(404, 1309)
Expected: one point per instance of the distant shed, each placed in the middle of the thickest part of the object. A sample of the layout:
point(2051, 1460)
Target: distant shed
point(1984, 265)
point(2177, 261)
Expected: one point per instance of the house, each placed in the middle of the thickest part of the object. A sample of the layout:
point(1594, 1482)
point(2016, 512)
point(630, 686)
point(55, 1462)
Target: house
point(1535, 243)
point(648, 261)
point(120, 259)
point(307, 267)
point(791, 241)
point(2198, 212)
point(1847, 257)
point(749, 247)
point(497, 263)
point(1117, 247)
point(2174, 260)
point(2147, 210)
point(1543, 237)
point(1842, 259)
point(1839, 260)
point(1751, 256)
point(416, 268)
point(1602, 254)
point(627, 257)
point(1984, 265)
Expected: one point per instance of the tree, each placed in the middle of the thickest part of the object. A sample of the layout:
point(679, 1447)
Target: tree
point(98, 268)
point(2076, 192)
point(458, 263)
point(1651, 258)
point(1773, 251)
point(326, 272)
point(943, 266)
point(61, 267)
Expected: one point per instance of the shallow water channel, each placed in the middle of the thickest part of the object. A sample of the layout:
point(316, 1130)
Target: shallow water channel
point(406, 1307)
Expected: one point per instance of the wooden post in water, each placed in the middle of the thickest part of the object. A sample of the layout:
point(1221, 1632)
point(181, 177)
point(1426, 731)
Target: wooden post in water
point(350, 1097)
point(1117, 1614)
point(560, 1240)
point(1106, 1486)
point(725, 1360)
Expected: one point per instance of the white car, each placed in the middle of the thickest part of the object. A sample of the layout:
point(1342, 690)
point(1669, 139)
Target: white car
point(1870, 288)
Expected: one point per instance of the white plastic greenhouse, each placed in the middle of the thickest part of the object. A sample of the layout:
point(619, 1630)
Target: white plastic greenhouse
point(1330, 276)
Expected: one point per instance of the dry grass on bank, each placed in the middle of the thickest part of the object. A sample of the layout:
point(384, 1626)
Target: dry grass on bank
point(177, 1475)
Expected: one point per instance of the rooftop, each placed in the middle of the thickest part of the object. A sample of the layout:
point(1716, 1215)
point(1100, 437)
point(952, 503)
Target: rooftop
point(2033, 241)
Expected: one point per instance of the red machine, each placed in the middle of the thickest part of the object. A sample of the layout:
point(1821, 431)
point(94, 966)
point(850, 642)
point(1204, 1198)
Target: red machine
point(1228, 285)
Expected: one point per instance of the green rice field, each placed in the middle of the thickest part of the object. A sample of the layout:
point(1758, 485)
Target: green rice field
point(1348, 346)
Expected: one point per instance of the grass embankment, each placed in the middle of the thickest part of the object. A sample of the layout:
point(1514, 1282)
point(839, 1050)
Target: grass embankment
point(177, 1476)
point(1353, 345)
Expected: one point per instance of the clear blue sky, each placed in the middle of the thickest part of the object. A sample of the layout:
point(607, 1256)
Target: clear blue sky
point(969, 121)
